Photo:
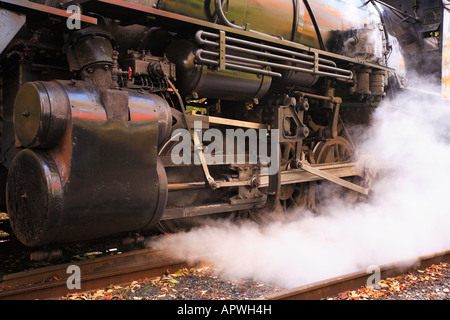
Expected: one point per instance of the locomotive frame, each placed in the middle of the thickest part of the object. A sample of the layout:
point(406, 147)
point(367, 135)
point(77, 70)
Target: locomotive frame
point(88, 115)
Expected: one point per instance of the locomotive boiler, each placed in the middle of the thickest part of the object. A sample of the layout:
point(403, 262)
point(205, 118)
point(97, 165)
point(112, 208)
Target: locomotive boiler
point(109, 107)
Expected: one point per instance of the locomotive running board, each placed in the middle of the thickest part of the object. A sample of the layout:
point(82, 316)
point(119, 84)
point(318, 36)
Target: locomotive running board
point(331, 172)
point(42, 10)
point(330, 177)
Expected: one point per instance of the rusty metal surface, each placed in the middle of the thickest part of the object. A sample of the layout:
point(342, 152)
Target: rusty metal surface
point(10, 24)
point(33, 7)
point(96, 273)
point(332, 287)
point(40, 120)
point(101, 178)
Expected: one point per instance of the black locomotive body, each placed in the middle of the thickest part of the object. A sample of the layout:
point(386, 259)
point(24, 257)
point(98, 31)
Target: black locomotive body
point(97, 95)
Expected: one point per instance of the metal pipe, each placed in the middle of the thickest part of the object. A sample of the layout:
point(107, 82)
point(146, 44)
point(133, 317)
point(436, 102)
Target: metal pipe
point(340, 169)
point(267, 55)
point(330, 65)
point(202, 185)
point(272, 64)
point(186, 186)
point(288, 59)
point(316, 96)
point(253, 70)
point(233, 66)
point(277, 65)
point(223, 18)
point(287, 67)
point(200, 40)
point(314, 21)
point(394, 9)
point(226, 22)
point(296, 5)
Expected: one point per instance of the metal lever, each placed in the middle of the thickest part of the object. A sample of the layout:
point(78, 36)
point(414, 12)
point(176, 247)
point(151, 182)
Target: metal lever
point(334, 179)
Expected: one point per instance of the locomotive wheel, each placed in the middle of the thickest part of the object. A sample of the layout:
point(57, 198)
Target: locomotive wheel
point(299, 198)
point(287, 155)
point(293, 196)
point(291, 199)
point(336, 150)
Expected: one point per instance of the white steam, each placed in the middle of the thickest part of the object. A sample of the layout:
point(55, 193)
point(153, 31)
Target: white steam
point(408, 216)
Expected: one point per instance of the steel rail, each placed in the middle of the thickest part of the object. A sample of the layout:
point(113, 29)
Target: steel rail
point(51, 282)
point(332, 287)
point(127, 267)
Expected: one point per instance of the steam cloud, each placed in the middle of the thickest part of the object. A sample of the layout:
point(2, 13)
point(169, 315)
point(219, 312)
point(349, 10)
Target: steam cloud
point(408, 215)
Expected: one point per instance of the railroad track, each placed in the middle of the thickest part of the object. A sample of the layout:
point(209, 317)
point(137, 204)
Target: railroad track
point(51, 282)
point(332, 287)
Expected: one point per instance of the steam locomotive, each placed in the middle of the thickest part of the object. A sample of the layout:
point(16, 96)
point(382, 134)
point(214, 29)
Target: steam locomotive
point(97, 97)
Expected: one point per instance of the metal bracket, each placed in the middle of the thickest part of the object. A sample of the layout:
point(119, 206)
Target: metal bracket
point(198, 149)
point(222, 50)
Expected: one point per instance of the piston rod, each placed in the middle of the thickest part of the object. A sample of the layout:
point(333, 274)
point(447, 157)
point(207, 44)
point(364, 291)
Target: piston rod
point(332, 172)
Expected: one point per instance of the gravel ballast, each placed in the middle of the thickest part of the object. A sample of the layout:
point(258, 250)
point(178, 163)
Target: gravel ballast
point(205, 283)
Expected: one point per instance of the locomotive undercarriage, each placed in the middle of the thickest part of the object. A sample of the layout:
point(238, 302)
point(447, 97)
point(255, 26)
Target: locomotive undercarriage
point(88, 136)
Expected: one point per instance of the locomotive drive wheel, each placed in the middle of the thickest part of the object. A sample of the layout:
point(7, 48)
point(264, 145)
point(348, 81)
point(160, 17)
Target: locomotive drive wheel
point(336, 150)
point(293, 198)
point(292, 195)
